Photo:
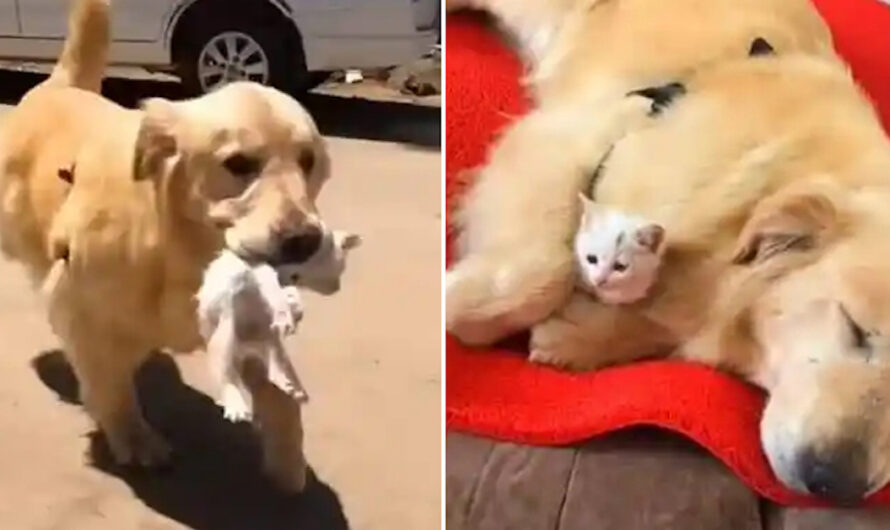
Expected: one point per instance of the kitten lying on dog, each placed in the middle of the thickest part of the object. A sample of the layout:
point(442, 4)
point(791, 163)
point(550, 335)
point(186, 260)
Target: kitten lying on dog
point(617, 255)
point(245, 312)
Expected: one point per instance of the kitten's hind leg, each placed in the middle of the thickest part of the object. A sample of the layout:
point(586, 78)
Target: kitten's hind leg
point(224, 352)
point(282, 373)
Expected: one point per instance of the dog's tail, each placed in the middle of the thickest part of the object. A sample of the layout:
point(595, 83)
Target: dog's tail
point(85, 54)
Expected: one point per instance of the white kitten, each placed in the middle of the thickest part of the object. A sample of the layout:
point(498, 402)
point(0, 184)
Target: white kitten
point(244, 312)
point(617, 255)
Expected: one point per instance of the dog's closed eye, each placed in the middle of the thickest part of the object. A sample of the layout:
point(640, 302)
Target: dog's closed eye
point(241, 165)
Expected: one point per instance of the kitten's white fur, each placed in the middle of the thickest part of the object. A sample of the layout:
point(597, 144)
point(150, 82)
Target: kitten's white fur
point(244, 312)
point(617, 255)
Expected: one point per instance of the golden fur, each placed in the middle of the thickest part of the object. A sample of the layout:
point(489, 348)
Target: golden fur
point(772, 179)
point(151, 203)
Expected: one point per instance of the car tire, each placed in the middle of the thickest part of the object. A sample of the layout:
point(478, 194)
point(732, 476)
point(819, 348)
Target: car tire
point(248, 48)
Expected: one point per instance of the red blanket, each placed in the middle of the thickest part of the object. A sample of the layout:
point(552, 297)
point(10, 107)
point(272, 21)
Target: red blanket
point(497, 393)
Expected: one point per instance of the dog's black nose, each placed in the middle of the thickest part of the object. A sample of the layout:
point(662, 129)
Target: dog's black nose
point(299, 248)
point(838, 475)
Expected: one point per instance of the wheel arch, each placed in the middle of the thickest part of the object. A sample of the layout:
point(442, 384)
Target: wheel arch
point(180, 16)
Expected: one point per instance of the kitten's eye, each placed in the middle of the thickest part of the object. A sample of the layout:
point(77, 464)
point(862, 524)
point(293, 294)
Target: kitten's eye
point(619, 267)
point(241, 165)
point(591, 259)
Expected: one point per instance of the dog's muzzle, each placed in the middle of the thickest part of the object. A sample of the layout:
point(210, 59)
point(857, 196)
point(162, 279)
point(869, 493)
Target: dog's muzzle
point(838, 474)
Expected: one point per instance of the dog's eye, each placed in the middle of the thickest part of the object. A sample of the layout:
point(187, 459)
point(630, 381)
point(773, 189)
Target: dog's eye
point(306, 161)
point(591, 259)
point(619, 267)
point(241, 165)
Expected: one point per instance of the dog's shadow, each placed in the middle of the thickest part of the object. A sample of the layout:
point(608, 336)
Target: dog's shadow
point(214, 482)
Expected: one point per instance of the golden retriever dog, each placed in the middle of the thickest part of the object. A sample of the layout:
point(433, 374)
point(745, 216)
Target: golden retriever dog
point(131, 205)
point(771, 175)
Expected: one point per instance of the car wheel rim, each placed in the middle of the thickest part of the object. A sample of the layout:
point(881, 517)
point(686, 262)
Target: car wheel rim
point(231, 56)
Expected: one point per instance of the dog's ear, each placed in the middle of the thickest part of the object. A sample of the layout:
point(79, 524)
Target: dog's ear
point(796, 219)
point(157, 149)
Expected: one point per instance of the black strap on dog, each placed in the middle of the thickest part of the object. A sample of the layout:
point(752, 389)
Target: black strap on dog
point(67, 174)
point(760, 46)
point(597, 173)
point(662, 96)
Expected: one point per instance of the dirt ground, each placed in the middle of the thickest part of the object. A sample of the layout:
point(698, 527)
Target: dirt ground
point(369, 357)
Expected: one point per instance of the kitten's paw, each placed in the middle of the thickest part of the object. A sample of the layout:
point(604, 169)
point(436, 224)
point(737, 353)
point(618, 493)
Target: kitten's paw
point(283, 383)
point(235, 407)
point(286, 384)
point(294, 302)
point(287, 311)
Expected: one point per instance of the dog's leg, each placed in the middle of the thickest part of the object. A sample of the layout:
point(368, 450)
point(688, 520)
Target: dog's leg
point(490, 296)
point(586, 334)
point(105, 366)
point(278, 420)
point(518, 220)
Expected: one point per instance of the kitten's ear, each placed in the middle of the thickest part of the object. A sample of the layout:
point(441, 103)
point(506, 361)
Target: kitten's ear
point(651, 237)
point(346, 240)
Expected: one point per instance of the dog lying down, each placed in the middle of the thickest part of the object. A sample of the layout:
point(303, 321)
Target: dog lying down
point(244, 312)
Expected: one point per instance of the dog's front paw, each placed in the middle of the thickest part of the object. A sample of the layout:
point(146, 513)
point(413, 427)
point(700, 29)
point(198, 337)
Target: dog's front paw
point(139, 445)
point(563, 343)
point(235, 407)
point(551, 343)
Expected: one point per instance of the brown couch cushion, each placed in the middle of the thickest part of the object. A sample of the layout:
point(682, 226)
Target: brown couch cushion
point(639, 479)
point(642, 479)
point(778, 518)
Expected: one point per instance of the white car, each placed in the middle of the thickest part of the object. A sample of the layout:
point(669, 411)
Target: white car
point(211, 42)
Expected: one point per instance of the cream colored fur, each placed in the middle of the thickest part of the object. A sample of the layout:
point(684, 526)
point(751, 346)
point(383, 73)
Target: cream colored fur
point(771, 177)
